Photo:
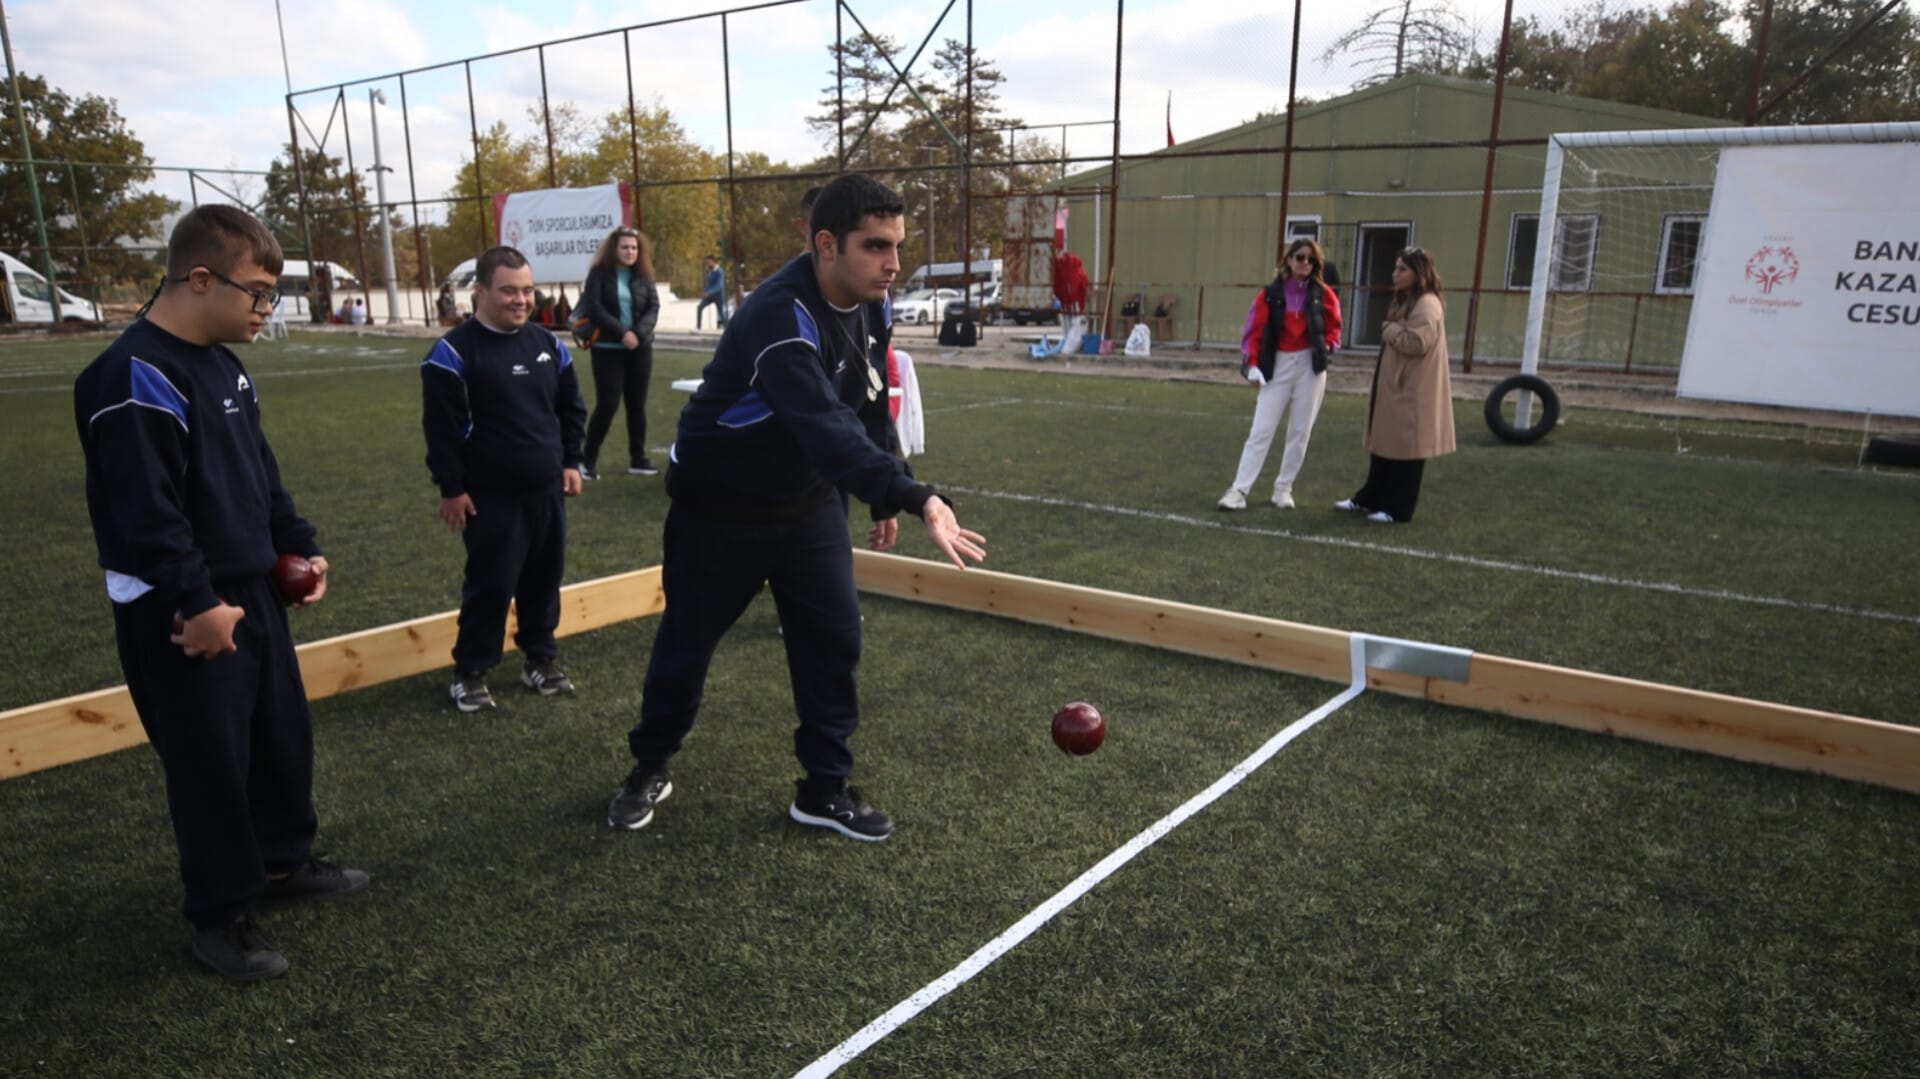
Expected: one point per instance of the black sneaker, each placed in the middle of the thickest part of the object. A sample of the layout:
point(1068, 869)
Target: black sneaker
point(632, 805)
point(845, 811)
point(545, 677)
point(316, 879)
point(238, 952)
point(642, 467)
point(470, 693)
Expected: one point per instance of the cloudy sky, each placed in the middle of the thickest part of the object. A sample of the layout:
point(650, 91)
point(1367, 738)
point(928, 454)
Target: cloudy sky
point(202, 83)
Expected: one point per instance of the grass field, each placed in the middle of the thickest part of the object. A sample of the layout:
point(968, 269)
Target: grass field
point(1406, 890)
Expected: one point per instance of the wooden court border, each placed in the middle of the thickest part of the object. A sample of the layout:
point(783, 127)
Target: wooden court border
point(1847, 747)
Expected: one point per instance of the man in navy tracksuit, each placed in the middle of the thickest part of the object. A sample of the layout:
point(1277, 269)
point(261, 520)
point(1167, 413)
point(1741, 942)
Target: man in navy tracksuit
point(790, 417)
point(504, 422)
point(190, 516)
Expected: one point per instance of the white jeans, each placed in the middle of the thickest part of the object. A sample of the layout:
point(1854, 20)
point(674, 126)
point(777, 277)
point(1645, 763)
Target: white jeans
point(1294, 382)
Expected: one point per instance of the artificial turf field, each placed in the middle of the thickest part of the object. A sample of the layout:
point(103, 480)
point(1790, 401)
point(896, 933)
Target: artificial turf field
point(1407, 889)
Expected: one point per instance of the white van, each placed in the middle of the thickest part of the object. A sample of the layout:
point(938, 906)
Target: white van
point(26, 297)
point(462, 276)
point(296, 275)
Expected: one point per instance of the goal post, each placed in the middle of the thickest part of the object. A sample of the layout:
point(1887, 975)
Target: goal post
point(1623, 232)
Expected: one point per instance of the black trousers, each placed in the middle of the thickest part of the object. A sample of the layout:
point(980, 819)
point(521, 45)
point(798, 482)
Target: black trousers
point(235, 740)
point(516, 552)
point(712, 570)
point(1392, 487)
point(620, 374)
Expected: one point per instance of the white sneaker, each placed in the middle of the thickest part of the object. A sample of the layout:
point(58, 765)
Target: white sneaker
point(1234, 499)
point(1348, 505)
point(1380, 518)
point(1283, 500)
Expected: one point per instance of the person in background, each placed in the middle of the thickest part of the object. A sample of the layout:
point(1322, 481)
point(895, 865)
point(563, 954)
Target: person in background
point(446, 307)
point(622, 300)
point(344, 316)
point(190, 516)
point(790, 418)
point(1292, 328)
point(503, 421)
point(358, 316)
point(713, 292)
point(1410, 411)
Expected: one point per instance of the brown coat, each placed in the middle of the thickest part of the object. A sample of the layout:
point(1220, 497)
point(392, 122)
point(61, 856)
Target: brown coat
point(1410, 416)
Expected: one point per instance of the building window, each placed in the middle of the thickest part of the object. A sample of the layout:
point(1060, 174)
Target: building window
point(1303, 228)
point(1576, 243)
point(1679, 253)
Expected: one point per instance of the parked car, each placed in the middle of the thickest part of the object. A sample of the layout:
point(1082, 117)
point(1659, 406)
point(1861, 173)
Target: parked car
point(926, 306)
point(25, 296)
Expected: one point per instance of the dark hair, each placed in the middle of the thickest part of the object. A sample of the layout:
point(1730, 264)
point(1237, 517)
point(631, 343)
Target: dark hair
point(848, 200)
point(608, 256)
point(218, 236)
point(1425, 278)
point(1312, 247)
point(808, 198)
point(495, 258)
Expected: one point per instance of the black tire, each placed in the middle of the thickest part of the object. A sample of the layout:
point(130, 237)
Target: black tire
point(1543, 420)
point(1899, 452)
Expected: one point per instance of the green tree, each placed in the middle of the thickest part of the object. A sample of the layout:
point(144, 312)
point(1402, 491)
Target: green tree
point(1697, 56)
point(339, 215)
point(917, 141)
point(504, 165)
point(1873, 79)
point(676, 203)
point(84, 207)
point(1683, 58)
point(1561, 58)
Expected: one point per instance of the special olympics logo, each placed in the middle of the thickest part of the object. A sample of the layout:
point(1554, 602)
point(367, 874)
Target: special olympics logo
point(1772, 266)
point(513, 237)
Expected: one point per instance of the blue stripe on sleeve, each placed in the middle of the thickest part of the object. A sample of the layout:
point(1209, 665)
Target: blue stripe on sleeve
point(566, 357)
point(151, 389)
point(444, 357)
point(809, 329)
point(745, 412)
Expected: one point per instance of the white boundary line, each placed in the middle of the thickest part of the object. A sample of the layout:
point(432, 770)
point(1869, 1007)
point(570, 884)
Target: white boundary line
point(899, 1014)
point(1666, 587)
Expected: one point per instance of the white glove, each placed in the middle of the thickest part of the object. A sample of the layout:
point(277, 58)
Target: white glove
point(1254, 376)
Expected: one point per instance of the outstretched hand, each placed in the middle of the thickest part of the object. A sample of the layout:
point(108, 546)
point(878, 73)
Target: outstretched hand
point(943, 528)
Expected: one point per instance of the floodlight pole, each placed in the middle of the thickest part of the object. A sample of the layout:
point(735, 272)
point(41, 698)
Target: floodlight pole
point(33, 179)
point(376, 95)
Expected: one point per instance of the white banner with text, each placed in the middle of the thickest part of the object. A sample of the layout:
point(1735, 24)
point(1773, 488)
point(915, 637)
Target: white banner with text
point(559, 229)
point(1808, 293)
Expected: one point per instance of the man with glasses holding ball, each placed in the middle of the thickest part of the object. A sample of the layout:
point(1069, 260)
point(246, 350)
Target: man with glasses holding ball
point(189, 516)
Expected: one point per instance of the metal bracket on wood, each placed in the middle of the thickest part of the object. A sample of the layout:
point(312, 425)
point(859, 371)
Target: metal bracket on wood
point(1417, 657)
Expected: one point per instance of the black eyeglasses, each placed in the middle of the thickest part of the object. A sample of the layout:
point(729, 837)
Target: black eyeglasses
point(266, 296)
point(1301, 256)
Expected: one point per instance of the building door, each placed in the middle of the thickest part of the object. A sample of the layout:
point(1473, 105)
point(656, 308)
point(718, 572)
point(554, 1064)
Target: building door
point(1377, 245)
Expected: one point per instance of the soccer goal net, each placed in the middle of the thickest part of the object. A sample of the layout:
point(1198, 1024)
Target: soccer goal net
point(1624, 242)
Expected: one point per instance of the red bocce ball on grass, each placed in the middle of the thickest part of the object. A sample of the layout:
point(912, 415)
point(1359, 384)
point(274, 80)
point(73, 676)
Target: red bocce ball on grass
point(1079, 728)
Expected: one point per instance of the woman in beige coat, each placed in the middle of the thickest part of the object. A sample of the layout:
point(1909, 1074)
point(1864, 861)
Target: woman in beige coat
point(1410, 413)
